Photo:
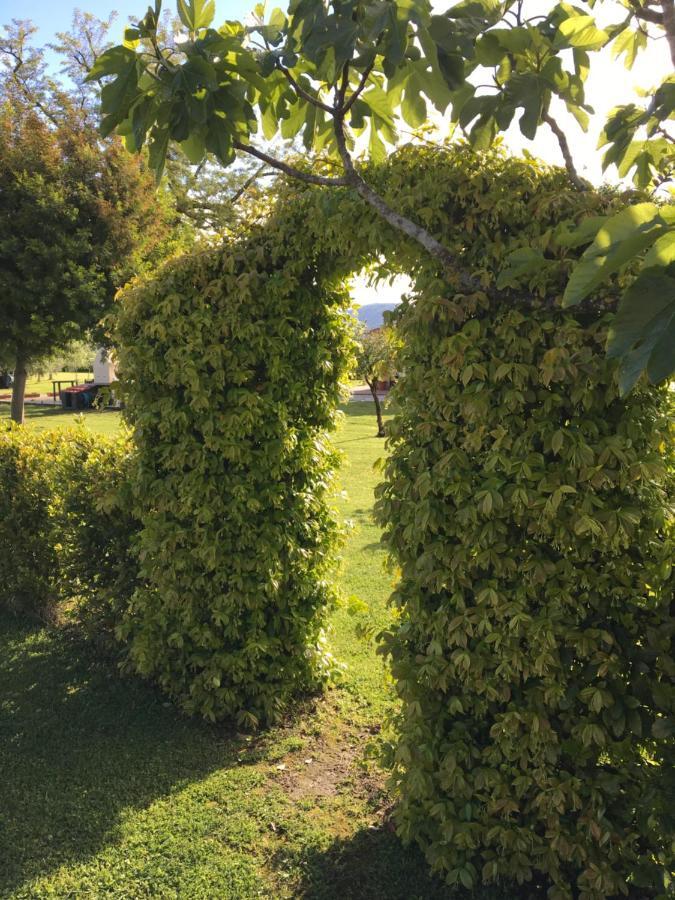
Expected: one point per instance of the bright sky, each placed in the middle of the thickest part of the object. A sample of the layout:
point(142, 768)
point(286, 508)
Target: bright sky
point(608, 85)
point(55, 15)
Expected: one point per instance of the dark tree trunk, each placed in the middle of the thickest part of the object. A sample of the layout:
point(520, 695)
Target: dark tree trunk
point(19, 388)
point(378, 408)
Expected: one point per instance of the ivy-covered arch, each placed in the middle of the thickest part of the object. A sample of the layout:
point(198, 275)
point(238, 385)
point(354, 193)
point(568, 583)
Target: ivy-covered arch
point(524, 502)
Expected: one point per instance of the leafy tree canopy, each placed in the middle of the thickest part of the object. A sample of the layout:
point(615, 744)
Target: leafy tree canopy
point(334, 72)
point(79, 216)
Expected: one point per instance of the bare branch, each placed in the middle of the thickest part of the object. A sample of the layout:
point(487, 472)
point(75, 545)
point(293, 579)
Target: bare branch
point(565, 150)
point(647, 15)
point(668, 7)
point(301, 92)
point(25, 90)
point(359, 90)
point(259, 173)
point(307, 177)
point(341, 92)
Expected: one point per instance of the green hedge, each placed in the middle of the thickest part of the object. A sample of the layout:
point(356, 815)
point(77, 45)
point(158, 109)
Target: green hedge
point(66, 526)
point(98, 527)
point(525, 504)
point(28, 538)
point(231, 364)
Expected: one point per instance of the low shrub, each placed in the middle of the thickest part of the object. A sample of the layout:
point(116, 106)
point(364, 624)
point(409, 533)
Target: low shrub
point(66, 526)
point(28, 536)
point(99, 566)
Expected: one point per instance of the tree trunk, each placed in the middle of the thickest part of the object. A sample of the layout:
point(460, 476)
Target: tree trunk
point(378, 408)
point(19, 388)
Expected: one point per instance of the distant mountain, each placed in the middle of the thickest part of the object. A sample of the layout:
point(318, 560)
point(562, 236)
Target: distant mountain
point(372, 314)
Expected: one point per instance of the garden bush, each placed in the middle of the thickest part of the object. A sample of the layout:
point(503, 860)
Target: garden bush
point(28, 537)
point(231, 364)
point(98, 530)
point(66, 525)
point(526, 505)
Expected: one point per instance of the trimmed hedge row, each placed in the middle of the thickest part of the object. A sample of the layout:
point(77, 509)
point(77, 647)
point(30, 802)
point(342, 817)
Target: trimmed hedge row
point(66, 527)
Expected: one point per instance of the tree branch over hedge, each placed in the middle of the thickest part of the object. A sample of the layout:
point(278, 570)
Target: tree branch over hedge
point(565, 150)
point(299, 174)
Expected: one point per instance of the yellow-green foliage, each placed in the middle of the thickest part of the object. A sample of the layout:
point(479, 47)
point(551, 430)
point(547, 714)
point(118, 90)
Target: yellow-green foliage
point(97, 529)
point(66, 528)
point(525, 504)
point(27, 537)
point(232, 364)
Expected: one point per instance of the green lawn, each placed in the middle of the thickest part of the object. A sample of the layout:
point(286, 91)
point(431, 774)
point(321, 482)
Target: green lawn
point(44, 417)
point(36, 385)
point(106, 791)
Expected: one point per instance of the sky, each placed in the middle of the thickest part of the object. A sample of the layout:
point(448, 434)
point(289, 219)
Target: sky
point(608, 85)
point(55, 15)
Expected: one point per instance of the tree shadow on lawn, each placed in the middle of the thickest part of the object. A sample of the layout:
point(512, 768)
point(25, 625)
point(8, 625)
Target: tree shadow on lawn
point(78, 744)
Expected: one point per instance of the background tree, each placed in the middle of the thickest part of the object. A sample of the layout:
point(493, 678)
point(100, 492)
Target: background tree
point(77, 219)
point(216, 201)
point(337, 71)
point(208, 200)
point(80, 216)
point(375, 362)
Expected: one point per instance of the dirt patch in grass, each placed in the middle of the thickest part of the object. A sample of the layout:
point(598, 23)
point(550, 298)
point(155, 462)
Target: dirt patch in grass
point(318, 771)
point(328, 763)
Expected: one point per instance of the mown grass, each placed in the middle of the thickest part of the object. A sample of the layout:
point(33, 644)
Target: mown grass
point(106, 791)
point(36, 385)
point(42, 418)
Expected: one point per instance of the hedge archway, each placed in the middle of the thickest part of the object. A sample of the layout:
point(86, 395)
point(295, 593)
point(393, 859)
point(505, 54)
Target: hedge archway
point(524, 503)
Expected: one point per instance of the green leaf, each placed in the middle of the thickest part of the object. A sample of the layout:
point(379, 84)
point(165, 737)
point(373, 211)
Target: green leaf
point(380, 103)
point(196, 14)
point(584, 233)
point(159, 142)
point(520, 263)
point(528, 91)
point(579, 114)
point(640, 309)
point(642, 334)
point(662, 252)
point(296, 119)
point(376, 147)
point(622, 238)
point(114, 61)
point(629, 43)
point(465, 878)
point(661, 365)
point(582, 33)
point(220, 140)
point(117, 98)
point(193, 147)
point(414, 107)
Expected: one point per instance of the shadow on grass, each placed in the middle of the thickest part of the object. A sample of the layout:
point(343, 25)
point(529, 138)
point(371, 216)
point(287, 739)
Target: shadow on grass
point(77, 746)
point(374, 865)
point(371, 865)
